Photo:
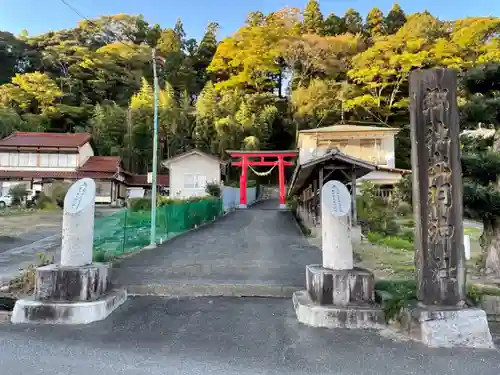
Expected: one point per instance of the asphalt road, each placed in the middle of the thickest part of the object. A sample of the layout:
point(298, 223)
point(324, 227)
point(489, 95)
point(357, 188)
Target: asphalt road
point(261, 246)
point(244, 336)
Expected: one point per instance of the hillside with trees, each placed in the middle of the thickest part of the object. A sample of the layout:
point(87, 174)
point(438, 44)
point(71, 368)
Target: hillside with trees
point(279, 73)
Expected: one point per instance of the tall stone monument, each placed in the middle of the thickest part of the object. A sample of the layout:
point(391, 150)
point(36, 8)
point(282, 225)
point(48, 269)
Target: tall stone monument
point(76, 291)
point(337, 293)
point(441, 317)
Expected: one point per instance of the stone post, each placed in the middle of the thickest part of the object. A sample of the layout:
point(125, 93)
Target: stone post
point(78, 224)
point(441, 318)
point(336, 232)
point(337, 293)
point(76, 291)
point(437, 188)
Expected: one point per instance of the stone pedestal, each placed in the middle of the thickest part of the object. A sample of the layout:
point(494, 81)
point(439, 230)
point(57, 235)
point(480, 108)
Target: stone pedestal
point(70, 295)
point(71, 284)
point(338, 299)
point(448, 327)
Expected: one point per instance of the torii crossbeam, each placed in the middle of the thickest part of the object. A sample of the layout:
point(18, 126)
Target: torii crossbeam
point(262, 159)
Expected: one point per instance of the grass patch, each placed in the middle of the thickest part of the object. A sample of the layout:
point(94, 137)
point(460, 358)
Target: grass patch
point(386, 262)
point(403, 293)
point(395, 242)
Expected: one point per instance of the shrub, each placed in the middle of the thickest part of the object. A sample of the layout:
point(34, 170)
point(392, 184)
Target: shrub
point(44, 202)
point(19, 193)
point(139, 204)
point(58, 192)
point(375, 212)
point(375, 237)
point(408, 235)
point(404, 209)
point(213, 189)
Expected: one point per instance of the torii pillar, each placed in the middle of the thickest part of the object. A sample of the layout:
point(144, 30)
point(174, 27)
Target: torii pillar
point(247, 158)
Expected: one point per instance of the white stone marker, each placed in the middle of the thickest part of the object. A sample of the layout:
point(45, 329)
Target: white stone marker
point(335, 216)
point(78, 224)
point(467, 246)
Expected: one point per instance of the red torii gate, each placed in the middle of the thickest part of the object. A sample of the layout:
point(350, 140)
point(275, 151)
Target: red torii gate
point(245, 162)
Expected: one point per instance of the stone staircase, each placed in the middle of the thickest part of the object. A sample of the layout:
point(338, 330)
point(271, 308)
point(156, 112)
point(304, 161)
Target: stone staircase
point(269, 192)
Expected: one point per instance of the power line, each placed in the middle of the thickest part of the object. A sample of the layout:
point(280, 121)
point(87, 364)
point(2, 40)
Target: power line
point(93, 24)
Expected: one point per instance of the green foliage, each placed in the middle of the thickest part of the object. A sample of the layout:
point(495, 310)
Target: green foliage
point(394, 242)
point(44, 202)
point(377, 213)
point(231, 94)
point(58, 192)
point(313, 18)
point(19, 193)
point(213, 189)
point(401, 293)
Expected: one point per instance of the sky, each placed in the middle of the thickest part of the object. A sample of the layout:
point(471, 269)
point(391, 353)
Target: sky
point(39, 16)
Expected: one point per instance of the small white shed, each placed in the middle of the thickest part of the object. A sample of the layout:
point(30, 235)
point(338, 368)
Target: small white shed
point(190, 172)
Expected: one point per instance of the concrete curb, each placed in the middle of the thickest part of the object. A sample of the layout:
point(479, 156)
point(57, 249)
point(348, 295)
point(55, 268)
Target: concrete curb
point(135, 252)
point(212, 290)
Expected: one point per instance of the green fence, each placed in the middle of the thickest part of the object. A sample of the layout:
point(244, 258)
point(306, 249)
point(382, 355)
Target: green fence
point(127, 230)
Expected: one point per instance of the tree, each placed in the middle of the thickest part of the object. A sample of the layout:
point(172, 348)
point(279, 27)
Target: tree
point(35, 92)
point(481, 162)
point(313, 18)
point(251, 58)
point(353, 21)
point(334, 25)
point(375, 22)
point(395, 19)
point(381, 72)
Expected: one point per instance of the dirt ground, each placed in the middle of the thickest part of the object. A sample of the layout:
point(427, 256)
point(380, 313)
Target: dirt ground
point(17, 224)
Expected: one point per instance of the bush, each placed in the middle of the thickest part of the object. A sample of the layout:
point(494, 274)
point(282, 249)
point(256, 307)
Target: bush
point(44, 202)
point(58, 192)
point(19, 193)
point(139, 204)
point(213, 190)
point(408, 235)
point(373, 210)
point(404, 209)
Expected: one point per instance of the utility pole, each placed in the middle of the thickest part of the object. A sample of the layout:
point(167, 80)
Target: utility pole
point(152, 242)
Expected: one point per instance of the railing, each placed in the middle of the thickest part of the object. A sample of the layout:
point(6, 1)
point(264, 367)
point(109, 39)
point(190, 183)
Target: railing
point(127, 230)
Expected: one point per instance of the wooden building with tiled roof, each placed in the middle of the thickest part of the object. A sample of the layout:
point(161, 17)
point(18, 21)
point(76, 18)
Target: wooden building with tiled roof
point(40, 159)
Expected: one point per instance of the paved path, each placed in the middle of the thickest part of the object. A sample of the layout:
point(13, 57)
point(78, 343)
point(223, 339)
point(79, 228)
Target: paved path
point(258, 251)
point(221, 336)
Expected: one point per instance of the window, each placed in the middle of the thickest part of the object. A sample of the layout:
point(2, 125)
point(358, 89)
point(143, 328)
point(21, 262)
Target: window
point(27, 159)
point(53, 160)
point(13, 159)
point(44, 160)
point(72, 160)
point(63, 160)
point(4, 159)
point(194, 181)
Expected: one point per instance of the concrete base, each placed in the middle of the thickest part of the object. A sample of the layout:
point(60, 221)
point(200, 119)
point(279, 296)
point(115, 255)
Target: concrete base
point(363, 316)
point(283, 207)
point(242, 206)
point(340, 287)
point(31, 311)
point(151, 246)
point(438, 326)
point(491, 305)
point(55, 283)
